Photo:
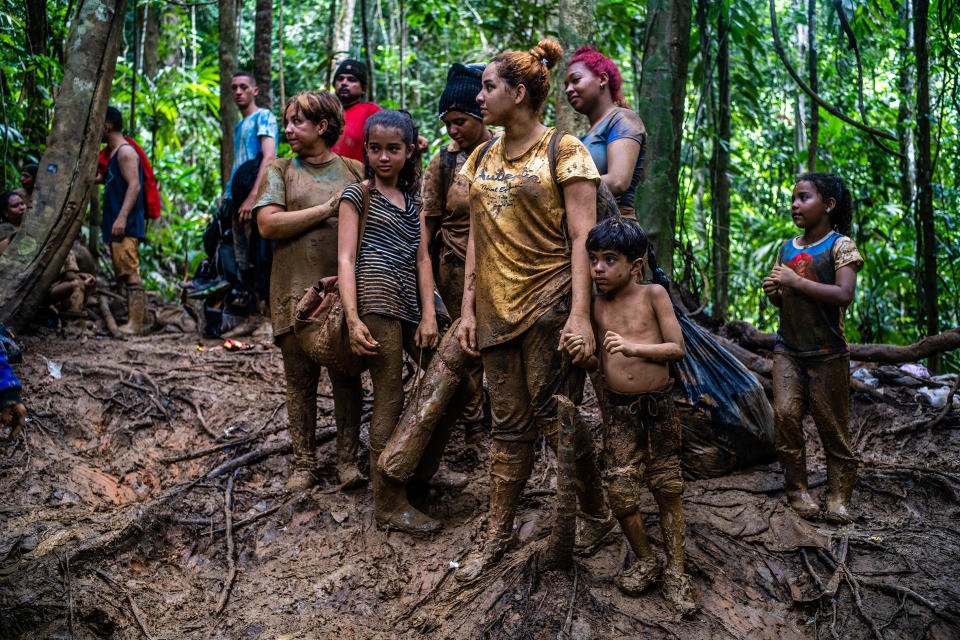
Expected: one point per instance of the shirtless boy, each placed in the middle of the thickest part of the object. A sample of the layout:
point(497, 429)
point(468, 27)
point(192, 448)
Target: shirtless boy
point(639, 336)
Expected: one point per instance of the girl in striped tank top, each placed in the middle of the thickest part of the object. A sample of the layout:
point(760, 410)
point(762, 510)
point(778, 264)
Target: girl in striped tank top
point(387, 290)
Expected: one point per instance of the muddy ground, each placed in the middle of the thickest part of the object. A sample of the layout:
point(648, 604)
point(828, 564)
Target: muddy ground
point(105, 534)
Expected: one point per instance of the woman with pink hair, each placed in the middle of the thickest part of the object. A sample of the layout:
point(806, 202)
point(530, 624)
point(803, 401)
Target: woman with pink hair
point(617, 137)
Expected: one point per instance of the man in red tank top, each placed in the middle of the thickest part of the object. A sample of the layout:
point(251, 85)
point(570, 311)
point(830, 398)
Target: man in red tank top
point(350, 84)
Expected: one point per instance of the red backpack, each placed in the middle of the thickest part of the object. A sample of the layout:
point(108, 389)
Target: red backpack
point(151, 194)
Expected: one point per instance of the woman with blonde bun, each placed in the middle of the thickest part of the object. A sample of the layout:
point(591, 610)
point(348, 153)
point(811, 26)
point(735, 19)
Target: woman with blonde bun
point(527, 281)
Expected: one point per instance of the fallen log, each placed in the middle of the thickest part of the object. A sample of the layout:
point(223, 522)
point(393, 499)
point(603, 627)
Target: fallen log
point(764, 367)
point(749, 336)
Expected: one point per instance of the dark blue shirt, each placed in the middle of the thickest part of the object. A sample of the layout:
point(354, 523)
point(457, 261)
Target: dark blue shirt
point(114, 190)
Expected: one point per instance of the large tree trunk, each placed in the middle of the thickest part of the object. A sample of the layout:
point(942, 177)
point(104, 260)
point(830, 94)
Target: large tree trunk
point(720, 199)
point(368, 53)
point(907, 85)
point(262, 46)
point(814, 121)
point(31, 265)
point(151, 41)
point(228, 67)
point(928, 251)
point(342, 34)
point(575, 29)
point(37, 29)
point(662, 92)
point(800, 107)
point(170, 39)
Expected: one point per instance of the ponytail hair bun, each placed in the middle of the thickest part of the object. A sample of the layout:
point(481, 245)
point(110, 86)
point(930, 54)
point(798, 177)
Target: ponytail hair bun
point(548, 51)
point(530, 69)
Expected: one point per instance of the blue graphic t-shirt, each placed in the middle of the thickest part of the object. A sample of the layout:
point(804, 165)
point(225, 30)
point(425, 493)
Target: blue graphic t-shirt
point(619, 123)
point(246, 139)
point(809, 327)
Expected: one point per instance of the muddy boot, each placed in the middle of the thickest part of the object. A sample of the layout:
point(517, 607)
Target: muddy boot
point(300, 480)
point(640, 577)
point(446, 478)
point(795, 488)
point(678, 592)
point(510, 464)
point(594, 520)
point(841, 477)
point(347, 404)
point(136, 310)
point(392, 509)
point(303, 440)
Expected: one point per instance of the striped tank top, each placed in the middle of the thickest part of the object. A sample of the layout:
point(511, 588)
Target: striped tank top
point(386, 267)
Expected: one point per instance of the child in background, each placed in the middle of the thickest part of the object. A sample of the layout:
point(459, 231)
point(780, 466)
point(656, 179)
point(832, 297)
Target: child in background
point(387, 291)
point(640, 336)
point(812, 283)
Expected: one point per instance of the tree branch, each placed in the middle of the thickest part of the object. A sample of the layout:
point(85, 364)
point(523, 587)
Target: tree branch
point(778, 44)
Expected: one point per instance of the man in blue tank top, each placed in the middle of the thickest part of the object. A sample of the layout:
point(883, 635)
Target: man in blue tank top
point(123, 225)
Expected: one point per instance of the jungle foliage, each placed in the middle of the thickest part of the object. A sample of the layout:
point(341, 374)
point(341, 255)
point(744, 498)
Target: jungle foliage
point(860, 50)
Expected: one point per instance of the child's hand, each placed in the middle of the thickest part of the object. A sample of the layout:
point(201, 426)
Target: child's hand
point(614, 343)
point(785, 276)
point(427, 333)
point(770, 288)
point(572, 343)
point(361, 341)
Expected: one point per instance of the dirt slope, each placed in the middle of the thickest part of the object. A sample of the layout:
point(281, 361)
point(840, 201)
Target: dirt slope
point(102, 535)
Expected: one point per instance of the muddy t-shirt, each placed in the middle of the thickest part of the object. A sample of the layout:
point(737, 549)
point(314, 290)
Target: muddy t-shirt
point(522, 259)
point(446, 199)
point(299, 262)
point(808, 327)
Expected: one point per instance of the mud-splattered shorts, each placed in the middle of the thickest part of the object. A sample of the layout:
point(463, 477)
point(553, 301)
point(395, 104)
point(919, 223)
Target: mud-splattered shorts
point(126, 260)
point(641, 442)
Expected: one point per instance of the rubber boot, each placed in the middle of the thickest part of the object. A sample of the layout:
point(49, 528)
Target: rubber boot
point(303, 439)
point(392, 509)
point(841, 476)
point(136, 310)
point(347, 403)
point(795, 487)
point(510, 465)
point(594, 519)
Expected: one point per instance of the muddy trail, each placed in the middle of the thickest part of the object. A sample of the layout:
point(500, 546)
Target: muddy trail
point(145, 501)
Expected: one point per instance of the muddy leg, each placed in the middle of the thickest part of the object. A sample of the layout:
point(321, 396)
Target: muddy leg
point(549, 372)
point(392, 509)
point(789, 407)
point(666, 484)
point(624, 452)
point(302, 375)
point(510, 465)
point(347, 408)
point(830, 406)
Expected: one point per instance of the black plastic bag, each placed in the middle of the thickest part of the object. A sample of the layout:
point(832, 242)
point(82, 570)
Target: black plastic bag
point(726, 417)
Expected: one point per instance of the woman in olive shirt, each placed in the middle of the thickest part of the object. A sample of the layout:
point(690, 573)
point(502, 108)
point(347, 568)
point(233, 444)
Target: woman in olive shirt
point(527, 278)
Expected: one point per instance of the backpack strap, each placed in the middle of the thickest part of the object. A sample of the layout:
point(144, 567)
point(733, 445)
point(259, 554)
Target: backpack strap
point(364, 210)
point(356, 174)
point(483, 151)
point(552, 147)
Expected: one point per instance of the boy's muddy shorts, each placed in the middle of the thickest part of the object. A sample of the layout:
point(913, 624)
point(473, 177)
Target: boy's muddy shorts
point(125, 257)
point(641, 441)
